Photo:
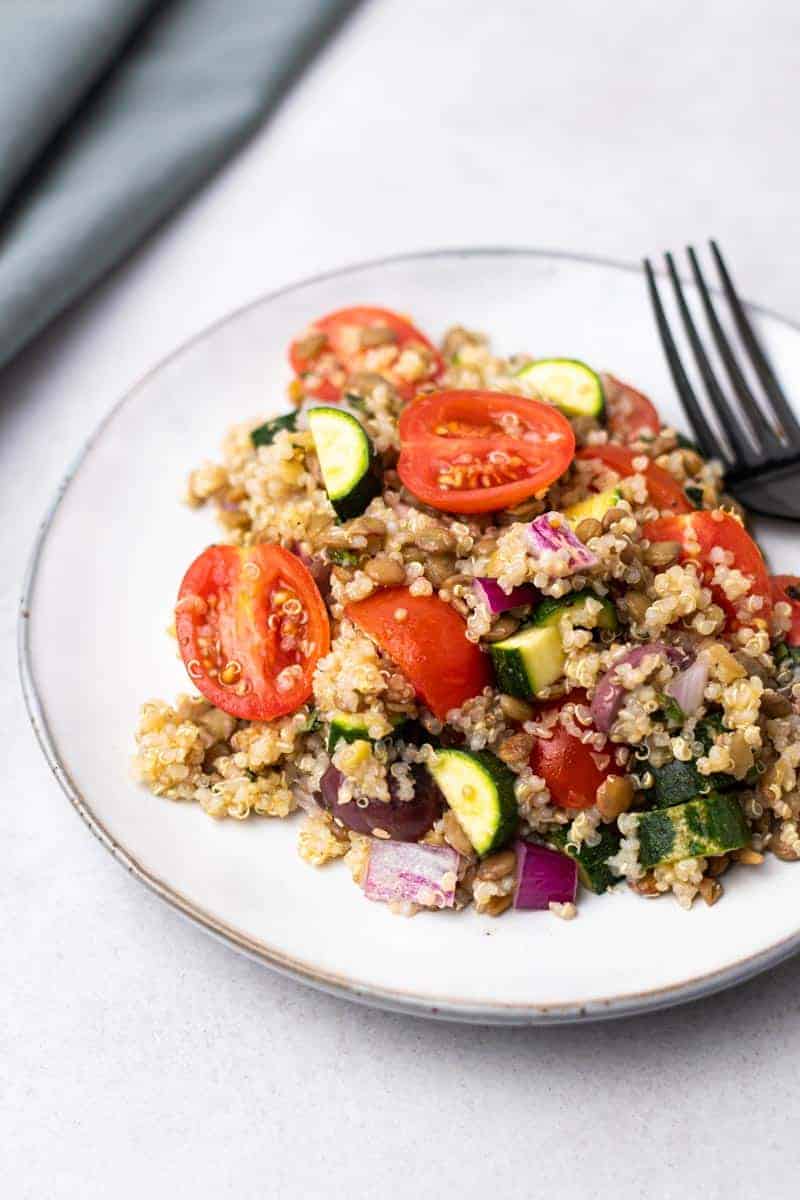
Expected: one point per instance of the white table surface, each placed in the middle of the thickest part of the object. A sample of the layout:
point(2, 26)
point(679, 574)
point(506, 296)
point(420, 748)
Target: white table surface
point(137, 1056)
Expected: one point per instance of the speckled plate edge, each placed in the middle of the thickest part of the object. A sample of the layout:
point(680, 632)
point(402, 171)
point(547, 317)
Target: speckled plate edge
point(416, 1004)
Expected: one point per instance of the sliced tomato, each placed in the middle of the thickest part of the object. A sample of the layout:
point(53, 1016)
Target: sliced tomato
point(786, 589)
point(701, 532)
point(572, 770)
point(664, 491)
point(251, 626)
point(477, 451)
point(363, 339)
point(629, 413)
point(427, 640)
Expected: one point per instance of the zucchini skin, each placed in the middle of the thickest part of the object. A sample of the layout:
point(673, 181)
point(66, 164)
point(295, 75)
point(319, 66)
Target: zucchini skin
point(701, 828)
point(368, 487)
point(510, 674)
point(341, 731)
point(550, 609)
point(265, 434)
point(593, 869)
point(678, 781)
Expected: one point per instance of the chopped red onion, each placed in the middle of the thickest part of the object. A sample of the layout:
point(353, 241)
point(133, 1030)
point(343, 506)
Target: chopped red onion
point(688, 687)
point(318, 567)
point(409, 871)
point(497, 601)
point(544, 877)
point(609, 693)
point(542, 536)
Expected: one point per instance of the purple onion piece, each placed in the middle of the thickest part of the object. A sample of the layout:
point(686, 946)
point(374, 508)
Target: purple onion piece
point(542, 536)
point(609, 693)
point(318, 567)
point(688, 687)
point(497, 601)
point(544, 877)
point(401, 871)
point(403, 820)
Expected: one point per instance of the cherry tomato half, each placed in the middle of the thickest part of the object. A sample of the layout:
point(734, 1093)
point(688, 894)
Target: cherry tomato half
point(251, 626)
point(665, 492)
point(699, 533)
point(572, 770)
point(363, 339)
point(477, 451)
point(629, 413)
point(786, 588)
point(427, 639)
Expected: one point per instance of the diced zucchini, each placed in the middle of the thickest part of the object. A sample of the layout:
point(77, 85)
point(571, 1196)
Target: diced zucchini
point(594, 506)
point(704, 827)
point(550, 610)
point(346, 459)
point(676, 781)
point(528, 661)
point(265, 434)
point(568, 384)
point(593, 869)
point(479, 788)
point(351, 727)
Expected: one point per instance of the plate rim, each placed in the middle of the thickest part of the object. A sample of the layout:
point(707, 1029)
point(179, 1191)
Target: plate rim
point(333, 983)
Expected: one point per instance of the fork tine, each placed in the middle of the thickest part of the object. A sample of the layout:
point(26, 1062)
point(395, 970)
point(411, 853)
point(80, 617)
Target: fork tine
point(705, 438)
point(742, 449)
point(761, 428)
point(761, 365)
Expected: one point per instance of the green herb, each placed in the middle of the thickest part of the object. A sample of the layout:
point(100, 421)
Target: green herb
point(786, 654)
point(687, 444)
point(671, 709)
point(694, 495)
point(314, 721)
point(356, 401)
point(341, 557)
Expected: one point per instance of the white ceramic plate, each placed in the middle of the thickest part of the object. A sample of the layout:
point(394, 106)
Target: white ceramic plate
point(101, 587)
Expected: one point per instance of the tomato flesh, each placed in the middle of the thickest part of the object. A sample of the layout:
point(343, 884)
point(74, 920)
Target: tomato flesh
point(569, 766)
point(786, 589)
point(363, 339)
point(629, 413)
point(427, 640)
point(665, 493)
point(699, 533)
point(251, 626)
point(478, 451)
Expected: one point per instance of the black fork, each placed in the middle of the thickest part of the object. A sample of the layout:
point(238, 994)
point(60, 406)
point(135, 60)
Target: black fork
point(761, 455)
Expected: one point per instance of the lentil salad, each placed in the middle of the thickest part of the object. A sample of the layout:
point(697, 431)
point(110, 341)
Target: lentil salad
point(490, 626)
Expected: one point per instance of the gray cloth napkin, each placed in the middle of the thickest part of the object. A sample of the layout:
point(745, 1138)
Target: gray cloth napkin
point(114, 111)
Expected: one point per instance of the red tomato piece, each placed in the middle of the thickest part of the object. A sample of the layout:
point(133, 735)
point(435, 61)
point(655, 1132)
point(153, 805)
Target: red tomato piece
point(251, 626)
point(427, 640)
point(363, 339)
point(629, 413)
point(699, 533)
point(786, 589)
point(479, 451)
point(573, 770)
point(665, 492)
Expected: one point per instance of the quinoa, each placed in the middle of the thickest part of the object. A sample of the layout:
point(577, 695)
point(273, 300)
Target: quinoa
point(357, 717)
